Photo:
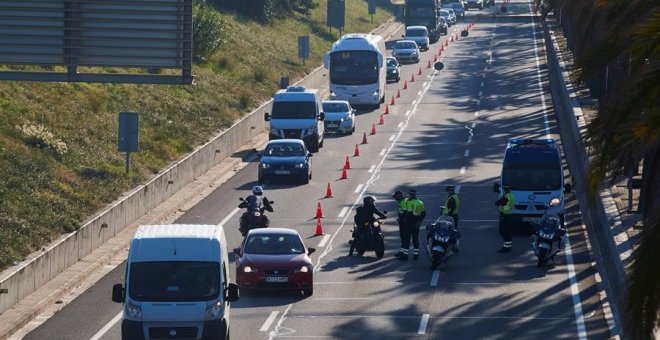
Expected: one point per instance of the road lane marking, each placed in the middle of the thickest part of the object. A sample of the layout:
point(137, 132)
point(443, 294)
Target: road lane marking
point(414, 102)
point(466, 153)
point(228, 217)
point(400, 124)
point(476, 113)
point(425, 83)
point(482, 84)
point(469, 139)
point(407, 113)
point(483, 75)
point(546, 122)
point(481, 93)
point(107, 326)
point(457, 188)
point(382, 152)
point(474, 124)
point(462, 170)
point(324, 240)
point(343, 212)
point(392, 137)
point(269, 321)
point(435, 278)
point(359, 187)
point(419, 93)
point(423, 323)
point(276, 331)
point(371, 169)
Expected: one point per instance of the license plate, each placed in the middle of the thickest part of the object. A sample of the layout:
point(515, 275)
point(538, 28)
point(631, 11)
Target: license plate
point(529, 219)
point(544, 245)
point(333, 125)
point(277, 279)
point(282, 172)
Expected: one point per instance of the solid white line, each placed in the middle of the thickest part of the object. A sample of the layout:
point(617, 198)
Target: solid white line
point(269, 321)
point(462, 170)
point(343, 212)
point(414, 102)
point(228, 217)
point(457, 188)
point(107, 326)
point(419, 93)
point(400, 124)
point(392, 137)
point(324, 240)
point(435, 278)
point(276, 331)
point(466, 153)
point(469, 139)
point(422, 324)
point(359, 187)
point(382, 152)
point(408, 113)
point(371, 169)
point(546, 122)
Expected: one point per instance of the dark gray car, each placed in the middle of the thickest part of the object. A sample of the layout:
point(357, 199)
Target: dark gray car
point(393, 70)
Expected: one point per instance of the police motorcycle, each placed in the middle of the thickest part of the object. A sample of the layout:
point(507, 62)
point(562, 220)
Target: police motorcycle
point(367, 235)
point(550, 237)
point(441, 240)
point(255, 216)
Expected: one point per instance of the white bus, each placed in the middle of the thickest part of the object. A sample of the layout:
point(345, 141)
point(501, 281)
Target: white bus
point(357, 69)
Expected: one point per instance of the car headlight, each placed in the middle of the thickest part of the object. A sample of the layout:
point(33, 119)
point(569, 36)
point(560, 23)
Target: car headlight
point(414, 53)
point(332, 94)
point(300, 165)
point(248, 269)
point(265, 165)
point(304, 269)
point(395, 71)
point(214, 310)
point(133, 310)
point(376, 93)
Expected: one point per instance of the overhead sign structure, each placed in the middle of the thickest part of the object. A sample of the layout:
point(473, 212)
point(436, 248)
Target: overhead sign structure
point(303, 47)
point(86, 36)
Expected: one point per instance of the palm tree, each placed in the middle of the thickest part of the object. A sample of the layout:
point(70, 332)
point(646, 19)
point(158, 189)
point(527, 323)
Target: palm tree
point(622, 37)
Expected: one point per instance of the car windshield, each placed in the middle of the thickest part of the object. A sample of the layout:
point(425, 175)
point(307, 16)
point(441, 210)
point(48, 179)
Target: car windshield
point(405, 46)
point(457, 6)
point(419, 12)
point(274, 244)
point(293, 110)
point(444, 14)
point(174, 281)
point(335, 107)
point(415, 33)
point(284, 150)
point(391, 62)
point(354, 67)
point(532, 179)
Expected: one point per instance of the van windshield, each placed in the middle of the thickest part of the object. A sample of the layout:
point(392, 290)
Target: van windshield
point(294, 110)
point(174, 281)
point(415, 32)
point(532, 179)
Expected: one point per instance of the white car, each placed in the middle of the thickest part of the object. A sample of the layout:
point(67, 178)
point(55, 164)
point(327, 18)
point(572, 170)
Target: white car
point(339, 116)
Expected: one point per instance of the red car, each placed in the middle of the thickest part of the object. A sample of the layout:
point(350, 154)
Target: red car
point(274, 258)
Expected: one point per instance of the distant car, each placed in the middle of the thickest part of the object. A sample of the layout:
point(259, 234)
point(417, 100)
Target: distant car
point(339, 116)
point(285, 158)
point(452, 14)
point(406, 51)
point(447, 16)
point(479, 4)
point(458, 8)
point(274, 259)
point(393, 69)
point(444, 27)
point(418, 34)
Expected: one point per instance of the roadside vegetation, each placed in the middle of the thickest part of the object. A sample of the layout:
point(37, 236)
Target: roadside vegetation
point(58, 142)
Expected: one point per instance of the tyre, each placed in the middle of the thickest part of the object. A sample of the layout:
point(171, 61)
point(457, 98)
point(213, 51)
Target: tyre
point(305, 179)
point(379, 246)
point(309, 292)
point(322, 141)
point(543, 253)
point(261, 179)
point(315, 145)
point(398, 79)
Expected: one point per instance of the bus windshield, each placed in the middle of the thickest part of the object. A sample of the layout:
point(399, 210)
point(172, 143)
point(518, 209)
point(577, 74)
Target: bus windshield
point(354, 67)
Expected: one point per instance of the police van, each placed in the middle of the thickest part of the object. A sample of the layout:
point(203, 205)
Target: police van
point(532, 169)
point(297, 114)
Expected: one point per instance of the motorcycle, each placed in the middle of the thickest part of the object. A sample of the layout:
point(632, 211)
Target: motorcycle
point(368, 237)
point(549, 238)
point(254, 217)
point(441, 241)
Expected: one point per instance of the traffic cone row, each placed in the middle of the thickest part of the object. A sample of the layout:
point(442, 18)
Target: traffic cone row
point(347, 164)
point(381, 121)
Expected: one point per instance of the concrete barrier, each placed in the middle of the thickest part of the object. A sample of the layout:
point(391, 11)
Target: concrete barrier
point(40, 267)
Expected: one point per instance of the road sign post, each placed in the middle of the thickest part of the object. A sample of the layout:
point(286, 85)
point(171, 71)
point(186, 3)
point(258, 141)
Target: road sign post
point(128, 135)
point(303, 47)
point(372, 9)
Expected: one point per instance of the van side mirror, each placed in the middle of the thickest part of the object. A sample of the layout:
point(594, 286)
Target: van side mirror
point(438, 66)
point(567, 188)
point(322, 115)
point(118, 293)
point(403, 35)
point(267, 116)
point(310, 251)
point(231, 292)
point(496, 188)
point(464, 33)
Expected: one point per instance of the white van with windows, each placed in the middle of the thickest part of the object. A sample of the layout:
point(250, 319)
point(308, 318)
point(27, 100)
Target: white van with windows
point(176, 283)
point(297, 114)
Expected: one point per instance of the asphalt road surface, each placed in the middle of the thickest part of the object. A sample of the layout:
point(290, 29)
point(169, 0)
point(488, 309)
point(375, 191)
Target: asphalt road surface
point(448, 127)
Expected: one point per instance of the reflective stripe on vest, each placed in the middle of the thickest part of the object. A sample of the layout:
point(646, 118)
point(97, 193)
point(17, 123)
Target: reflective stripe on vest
point(445, 211)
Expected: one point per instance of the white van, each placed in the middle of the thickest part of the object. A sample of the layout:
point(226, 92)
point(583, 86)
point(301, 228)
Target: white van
point(418, 34)
point(177, 283)
point(297, 114)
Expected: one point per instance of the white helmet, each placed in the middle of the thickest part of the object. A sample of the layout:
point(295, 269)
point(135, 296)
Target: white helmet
point(257, 190)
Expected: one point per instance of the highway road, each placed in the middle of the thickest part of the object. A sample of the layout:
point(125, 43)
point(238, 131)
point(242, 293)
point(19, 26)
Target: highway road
point(448, 127)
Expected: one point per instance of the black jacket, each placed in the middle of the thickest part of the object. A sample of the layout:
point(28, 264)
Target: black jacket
point(365, 214)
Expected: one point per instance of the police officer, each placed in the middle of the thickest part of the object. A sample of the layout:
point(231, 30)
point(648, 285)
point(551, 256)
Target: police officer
point(505, 207)
point(401, 218)
point(452, 204)
point(414, 216)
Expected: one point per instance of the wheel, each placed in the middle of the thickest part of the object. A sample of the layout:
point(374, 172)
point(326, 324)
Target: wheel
point(308, 292)
point(352, 130)
point(261, 179)
point(543, 253)
point(379, 246)
point(305, 179)
point(315, 145)
point(398, 79)
point(350, 251)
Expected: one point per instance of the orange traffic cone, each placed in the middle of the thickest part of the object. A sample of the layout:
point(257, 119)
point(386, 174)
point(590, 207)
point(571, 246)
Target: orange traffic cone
point(446, 42)
point(357, 151)
point(319, 228)
point(412, 78)
point(387, 107)
point(435, 58)
point(452, 38)
point(405, 84)
point(319, 211)
point(398, 94)
point(392, 101)
point(442, 48)
point(347, 164)
point(344, 174)
point(381, 121)
point(364, 138)
point(373, 129)
point(328, 191)
point(419, 73)
point(428, 65)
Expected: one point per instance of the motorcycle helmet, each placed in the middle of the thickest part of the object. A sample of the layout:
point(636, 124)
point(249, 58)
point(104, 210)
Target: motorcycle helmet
point(369, 200)
point(257, 190)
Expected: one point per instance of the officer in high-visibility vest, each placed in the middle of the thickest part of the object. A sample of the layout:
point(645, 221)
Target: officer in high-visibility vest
point(402, 205)
point(505, 207)
point(414, 216)
point(452, 204)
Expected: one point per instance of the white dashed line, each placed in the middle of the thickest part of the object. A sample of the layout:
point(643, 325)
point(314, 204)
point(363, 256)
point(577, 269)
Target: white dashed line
point(371, 169)
point(408, 113)
point(392, 137)
point(425, 83)
point(423, 323)
point(359, 187)
point(324, 240)
point(474, 124)
point(343, 212)
point(382, 152)
point(269, 321)
point(469, 141)
point(419, 93)
point(414, 102)
point(400, 125)
point(228, 217)
point(481, 93)
point(462, 170)
point(466, 153)
point(435, 278)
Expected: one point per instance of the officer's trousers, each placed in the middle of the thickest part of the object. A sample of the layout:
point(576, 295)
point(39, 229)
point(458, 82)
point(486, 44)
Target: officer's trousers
point(411, 231)
point(505, 230)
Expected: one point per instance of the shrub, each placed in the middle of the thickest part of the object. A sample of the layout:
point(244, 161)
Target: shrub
point(39, 137)
point(209, 31)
